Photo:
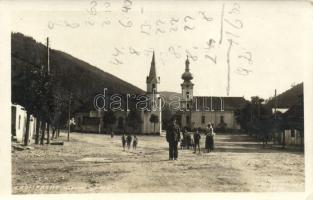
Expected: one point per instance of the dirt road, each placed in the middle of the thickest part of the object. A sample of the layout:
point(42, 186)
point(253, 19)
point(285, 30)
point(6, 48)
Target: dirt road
point(96, 163)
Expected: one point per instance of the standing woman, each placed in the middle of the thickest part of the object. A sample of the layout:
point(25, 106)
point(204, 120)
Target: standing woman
point(212, 134)
point(207, 139)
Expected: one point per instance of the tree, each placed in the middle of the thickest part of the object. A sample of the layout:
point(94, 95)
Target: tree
point(133, 119)
point(154, 119)
point(109, 119)
point(27, 92)
point(243, 116)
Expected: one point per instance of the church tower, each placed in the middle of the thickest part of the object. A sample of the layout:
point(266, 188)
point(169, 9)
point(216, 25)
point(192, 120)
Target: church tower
point(187, 87)
point(154, 102)
point(152, 80)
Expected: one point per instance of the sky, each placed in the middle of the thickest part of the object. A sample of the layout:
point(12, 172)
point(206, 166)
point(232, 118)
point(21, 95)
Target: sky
point(235, 48)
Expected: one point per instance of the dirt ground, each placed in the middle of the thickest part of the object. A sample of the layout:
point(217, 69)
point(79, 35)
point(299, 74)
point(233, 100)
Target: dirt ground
point(96, 163)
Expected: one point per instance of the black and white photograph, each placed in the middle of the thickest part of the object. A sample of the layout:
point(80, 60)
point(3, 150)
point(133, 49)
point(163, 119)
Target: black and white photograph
point(152, 97)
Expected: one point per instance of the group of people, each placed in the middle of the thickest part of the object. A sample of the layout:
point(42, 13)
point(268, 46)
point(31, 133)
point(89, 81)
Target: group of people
point(173, 138)
point(194, 142)
point(127, 141)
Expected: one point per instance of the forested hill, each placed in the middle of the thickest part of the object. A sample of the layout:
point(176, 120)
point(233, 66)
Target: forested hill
point(83, 80)
point(288, 98)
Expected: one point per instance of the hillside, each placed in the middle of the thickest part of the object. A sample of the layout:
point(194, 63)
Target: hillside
point(83, 80)
point(288, 98)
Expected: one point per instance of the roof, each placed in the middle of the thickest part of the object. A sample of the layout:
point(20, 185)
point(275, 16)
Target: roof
point(294, 117)
point(294, 112)
point(226, 103)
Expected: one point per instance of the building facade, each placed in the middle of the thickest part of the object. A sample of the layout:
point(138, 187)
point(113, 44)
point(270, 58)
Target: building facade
point(18, 124)
point(199, 111)
point(151, 122)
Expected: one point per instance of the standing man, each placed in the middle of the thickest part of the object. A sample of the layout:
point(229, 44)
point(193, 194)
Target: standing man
point(196, 139)
point(172, 137)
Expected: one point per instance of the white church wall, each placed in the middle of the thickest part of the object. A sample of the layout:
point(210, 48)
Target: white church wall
point(209, 117)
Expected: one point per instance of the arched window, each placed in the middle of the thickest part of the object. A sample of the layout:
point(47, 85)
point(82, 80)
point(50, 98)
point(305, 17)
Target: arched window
point(187, 95)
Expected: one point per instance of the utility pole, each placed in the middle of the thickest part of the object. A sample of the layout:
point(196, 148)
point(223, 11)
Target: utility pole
point(48, 73)
point(69, 117)
point(48, 55)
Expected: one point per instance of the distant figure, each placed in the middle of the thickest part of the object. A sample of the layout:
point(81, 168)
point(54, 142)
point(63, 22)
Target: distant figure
point(188, 140)
point(112, 134)
point(128, 140)
point(183, 143)
point(173, 137)
point(196, 138)
point(123, 141)
point(209, 139)
point(192, 143)
point(135, 142)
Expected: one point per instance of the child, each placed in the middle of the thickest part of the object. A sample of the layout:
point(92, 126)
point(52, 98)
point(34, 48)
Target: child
point(128, 140)
point(135, 142)
point(196, 138)
point(123, 141)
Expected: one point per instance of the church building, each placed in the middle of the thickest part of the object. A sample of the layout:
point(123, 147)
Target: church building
point(155, 110)
point(199, 111)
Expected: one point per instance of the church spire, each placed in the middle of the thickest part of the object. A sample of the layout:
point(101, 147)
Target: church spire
point(152, 73)
point(152, 79)
point(187, 64)
point(187, 76)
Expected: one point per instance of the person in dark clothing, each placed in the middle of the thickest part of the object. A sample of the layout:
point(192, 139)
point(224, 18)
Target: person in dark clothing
point(210, 138)
point(135, 142)
point(128, 141)
point(188, 140)
point(210, 142)
point(123, 141)
point(206, 142)
point(196, 139)
point(173, 137)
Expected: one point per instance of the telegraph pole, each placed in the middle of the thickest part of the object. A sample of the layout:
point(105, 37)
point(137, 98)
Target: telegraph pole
point(48, 56)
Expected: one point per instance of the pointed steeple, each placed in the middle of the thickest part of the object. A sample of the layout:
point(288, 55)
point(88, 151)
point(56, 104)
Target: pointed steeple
point(152, 79)
point(152, 73)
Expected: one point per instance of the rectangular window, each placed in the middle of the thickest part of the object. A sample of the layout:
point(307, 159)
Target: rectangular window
point(203, 119)
point(292, 133)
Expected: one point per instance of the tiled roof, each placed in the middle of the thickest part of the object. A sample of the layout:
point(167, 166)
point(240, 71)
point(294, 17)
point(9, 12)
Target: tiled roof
point(226, 103)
